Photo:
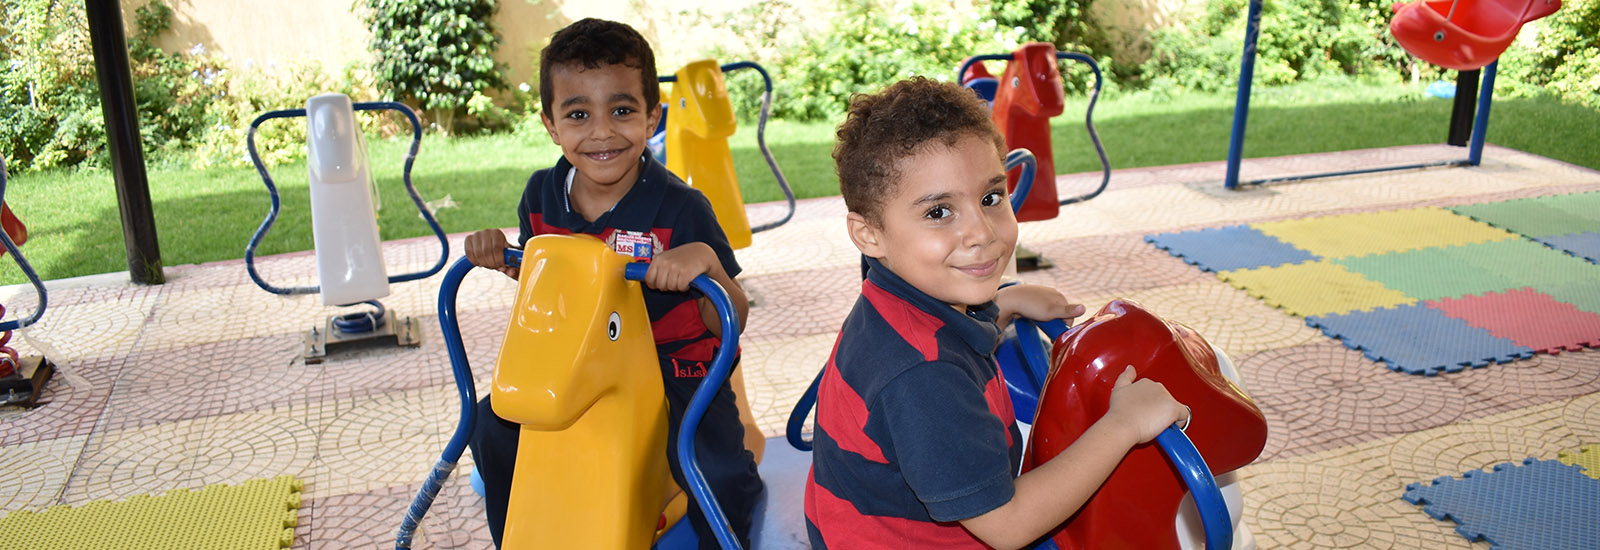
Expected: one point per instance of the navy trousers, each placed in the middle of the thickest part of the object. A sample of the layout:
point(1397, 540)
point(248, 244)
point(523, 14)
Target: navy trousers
point(719, 447)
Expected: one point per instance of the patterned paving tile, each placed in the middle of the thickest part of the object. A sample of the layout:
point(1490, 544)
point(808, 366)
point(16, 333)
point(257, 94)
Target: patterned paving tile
point(73, 402)
point(778, 372)
point(799, 303)
point(87, 330)
point(384, 441)
point(1299, 505)
point(1325, 395)
point(1110, 264)
point(33, 474)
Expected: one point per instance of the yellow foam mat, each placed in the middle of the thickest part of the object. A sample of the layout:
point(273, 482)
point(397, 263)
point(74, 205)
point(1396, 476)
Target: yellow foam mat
point(259, 514)
point(1382, 232)
point(1587, 456)
point(1314, 288)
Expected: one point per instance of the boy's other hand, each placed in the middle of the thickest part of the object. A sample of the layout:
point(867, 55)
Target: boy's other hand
point(1143, 408)
point(1036, 302)
point(675, 269)
point(487, 248)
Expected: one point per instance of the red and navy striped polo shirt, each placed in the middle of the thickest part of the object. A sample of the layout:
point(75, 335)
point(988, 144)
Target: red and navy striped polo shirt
point(657, 213)
point(914, 429)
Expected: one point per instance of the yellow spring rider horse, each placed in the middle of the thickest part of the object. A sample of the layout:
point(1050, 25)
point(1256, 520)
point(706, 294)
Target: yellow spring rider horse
point(578, 371)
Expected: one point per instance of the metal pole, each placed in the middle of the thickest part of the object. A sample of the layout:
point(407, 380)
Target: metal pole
point(1485, 97)
point(1241, 106)
point(1461, 111)
point(122, 140)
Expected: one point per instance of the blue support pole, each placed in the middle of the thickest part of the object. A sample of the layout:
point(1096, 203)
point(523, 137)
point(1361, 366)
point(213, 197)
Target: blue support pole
point(1481, 123)
point(1241, 106)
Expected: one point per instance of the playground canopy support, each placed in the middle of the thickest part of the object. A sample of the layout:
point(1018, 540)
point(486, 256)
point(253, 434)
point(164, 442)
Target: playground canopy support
point(1241, 111)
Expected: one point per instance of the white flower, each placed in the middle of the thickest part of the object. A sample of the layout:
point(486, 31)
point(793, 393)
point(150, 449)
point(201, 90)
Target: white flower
point(524, 87)
point(197, 49)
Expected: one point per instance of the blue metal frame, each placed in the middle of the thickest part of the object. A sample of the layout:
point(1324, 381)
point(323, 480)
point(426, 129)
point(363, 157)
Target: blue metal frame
point(761, 137)
point(272, 191)
point(1241, 114)
point(27, 270)
point(1088, 115)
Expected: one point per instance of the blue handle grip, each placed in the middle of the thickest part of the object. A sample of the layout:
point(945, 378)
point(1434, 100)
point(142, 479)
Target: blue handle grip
point(1202, 486)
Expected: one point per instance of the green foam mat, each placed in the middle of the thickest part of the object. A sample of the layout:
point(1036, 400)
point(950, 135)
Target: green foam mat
point(1528, 262)
point(259, 514)
point(1543, 217)
point(1430, 273)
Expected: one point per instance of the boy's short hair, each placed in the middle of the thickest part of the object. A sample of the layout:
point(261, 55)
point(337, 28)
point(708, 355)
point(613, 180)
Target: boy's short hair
point(883, 129)
point(594, 42)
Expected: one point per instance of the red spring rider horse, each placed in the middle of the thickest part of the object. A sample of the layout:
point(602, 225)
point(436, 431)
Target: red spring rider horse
point(1139, 503)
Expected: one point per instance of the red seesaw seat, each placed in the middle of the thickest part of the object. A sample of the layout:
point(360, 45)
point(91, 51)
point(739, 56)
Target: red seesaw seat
point(1474, 35)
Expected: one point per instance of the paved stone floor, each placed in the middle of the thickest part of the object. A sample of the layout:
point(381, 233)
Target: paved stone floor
point(199, 381)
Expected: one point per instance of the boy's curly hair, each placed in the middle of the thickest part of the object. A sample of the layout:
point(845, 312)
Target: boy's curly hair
point(882, 130)
point(594, 42)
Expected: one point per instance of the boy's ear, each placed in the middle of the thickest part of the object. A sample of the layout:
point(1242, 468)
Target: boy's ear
point(550, 127)
point(653, 117)
point(867, 237)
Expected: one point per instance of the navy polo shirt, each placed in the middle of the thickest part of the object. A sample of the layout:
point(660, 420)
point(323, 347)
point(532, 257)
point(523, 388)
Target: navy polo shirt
point(914, 427)
point(656, 214)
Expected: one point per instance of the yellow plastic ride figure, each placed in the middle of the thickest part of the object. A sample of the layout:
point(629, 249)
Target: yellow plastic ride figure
point(699, 121)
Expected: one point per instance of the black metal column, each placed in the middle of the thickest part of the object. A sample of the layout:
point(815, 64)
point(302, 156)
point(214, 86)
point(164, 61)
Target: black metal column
point(122, 139)
point(1462, 112)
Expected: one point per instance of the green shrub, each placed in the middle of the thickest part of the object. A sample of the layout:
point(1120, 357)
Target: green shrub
point(1299, 40)
point(867, 47)
point(435, 53)
point(1563, 58)
point(49, 99)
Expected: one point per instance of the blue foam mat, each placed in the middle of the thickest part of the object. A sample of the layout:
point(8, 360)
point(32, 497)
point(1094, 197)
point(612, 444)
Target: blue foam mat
point(1417, 339)
point(1229, 248)
point(1582, 245)
point(1542, 504)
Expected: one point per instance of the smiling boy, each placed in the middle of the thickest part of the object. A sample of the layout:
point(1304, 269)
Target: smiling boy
point(916, 443)
point(601, 102)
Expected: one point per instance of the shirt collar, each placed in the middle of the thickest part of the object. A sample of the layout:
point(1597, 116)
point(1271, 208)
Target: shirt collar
point(638, 207)
point(977, 327)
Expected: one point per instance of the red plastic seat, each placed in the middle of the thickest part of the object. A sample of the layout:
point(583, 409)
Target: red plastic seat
point(1473, 36)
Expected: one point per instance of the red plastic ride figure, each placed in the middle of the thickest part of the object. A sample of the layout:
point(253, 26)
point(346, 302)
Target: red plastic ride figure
point(1029, 93)
point(1463, 34)
point(1138, 505)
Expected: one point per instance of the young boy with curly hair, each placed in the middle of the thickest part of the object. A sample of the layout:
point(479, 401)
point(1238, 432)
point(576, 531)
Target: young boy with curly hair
point(597, 82)
point(916, 443)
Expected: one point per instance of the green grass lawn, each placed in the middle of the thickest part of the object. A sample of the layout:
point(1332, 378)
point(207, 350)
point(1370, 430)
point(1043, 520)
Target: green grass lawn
point(203, 216)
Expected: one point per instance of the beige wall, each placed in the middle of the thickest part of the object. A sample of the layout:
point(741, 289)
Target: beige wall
point(265, 37)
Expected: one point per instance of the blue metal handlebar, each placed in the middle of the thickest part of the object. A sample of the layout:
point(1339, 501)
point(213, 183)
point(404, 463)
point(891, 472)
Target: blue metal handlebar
point(272, 191)
point(761, 137)
point(716, 375)
point(1208, 500)
point(27, 270)
point(451, 330)
point(1030, 165)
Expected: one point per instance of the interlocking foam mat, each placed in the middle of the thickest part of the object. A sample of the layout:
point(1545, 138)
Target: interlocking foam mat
point(1424, 290)
point(259, 514)
point(1540, 504)
point(1570, 223)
